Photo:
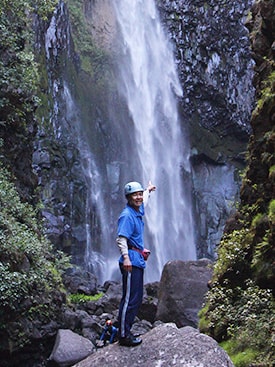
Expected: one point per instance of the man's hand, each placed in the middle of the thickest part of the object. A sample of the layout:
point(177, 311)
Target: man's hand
point(151, 187)
point(127, 265)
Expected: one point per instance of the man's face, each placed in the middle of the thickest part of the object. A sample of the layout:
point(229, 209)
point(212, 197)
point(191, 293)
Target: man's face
point(136, 199)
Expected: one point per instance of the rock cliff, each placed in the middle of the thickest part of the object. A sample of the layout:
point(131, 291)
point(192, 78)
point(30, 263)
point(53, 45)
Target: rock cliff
point(215, 65)
point(244, 272)
point(212, 52)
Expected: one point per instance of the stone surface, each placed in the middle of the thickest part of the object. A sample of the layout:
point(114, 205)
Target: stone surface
point(183, 286)
point(213, 54)
point(77, 280)
point(70, 348)
point(215, 66)
point(165, 345)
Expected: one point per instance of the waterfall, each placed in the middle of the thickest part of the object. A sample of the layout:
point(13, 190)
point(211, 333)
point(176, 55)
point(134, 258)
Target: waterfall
point(137, 136)
point(145, 141)
point(100, 261)
point(156, 147)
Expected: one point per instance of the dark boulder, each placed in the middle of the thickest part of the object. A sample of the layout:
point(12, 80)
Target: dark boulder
point(78, 280)
point(183, 286)
point(70, 348)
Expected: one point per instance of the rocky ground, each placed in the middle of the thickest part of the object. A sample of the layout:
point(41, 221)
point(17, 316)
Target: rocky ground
point(176, 299)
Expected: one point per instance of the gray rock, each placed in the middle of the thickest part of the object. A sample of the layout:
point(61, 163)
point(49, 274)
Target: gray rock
point(70, 348)
point(111, 299)
point(213, 56)
point(78, 280)
point(165, 345)
point(182, 289)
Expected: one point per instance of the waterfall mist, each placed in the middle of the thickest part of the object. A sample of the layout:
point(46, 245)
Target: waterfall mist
point(152, 137)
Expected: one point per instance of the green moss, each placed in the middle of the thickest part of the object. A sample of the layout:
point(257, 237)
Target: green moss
point(267, 93)
point(94, 60)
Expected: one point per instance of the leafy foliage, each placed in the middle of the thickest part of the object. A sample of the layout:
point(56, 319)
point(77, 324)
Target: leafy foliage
point(267, 92)
point(18, 70)
point(243, 319)
point(239, 305)
point(30, 273)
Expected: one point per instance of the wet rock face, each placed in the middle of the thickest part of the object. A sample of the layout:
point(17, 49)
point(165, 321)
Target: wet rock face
point(16, 153)
point(259, 186)
point(215, 67)
point(56, 156)
point(215, 64)
point(102, 23)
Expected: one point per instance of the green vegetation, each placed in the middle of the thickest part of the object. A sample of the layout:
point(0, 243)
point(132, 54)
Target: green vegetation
point(267, 92)
point(18, 70)
point(83, 298)
point(239, 311)
point(271, 211)
point(239, 314)
point(94, 60)
point(239, 358)
point(29, 270)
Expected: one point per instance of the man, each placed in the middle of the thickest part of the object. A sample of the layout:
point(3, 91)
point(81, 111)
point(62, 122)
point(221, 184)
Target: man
point(132, 260)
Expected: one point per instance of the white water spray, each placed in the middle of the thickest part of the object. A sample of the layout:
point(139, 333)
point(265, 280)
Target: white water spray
point(149, 83)
point(99, 258)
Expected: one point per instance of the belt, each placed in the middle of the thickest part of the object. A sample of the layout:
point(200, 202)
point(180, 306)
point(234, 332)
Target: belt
point(135, 249)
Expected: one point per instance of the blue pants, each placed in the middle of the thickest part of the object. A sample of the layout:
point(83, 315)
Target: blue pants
point(132, 288)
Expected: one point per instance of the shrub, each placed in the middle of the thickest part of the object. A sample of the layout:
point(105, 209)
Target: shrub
point(237, 316)
point(29, 271)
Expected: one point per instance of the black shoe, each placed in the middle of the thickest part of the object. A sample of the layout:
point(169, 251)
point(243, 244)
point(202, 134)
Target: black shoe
point(130, 341)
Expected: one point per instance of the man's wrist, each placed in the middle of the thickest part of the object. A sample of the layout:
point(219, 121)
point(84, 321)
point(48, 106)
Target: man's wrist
point(125, 256)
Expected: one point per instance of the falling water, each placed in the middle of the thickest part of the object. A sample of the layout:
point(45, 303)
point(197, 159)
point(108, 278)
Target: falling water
point(149, 83)
point(150, 145)
point(99, 257)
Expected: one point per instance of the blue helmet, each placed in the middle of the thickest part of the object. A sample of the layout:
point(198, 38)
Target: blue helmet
point(132, 187)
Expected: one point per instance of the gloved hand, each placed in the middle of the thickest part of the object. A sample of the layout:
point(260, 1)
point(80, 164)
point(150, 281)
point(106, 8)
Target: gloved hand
point(146, 253)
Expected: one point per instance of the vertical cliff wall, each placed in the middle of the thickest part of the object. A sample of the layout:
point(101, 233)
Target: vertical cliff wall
point(81, 193)
point(242, 289)
point(216, 68)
